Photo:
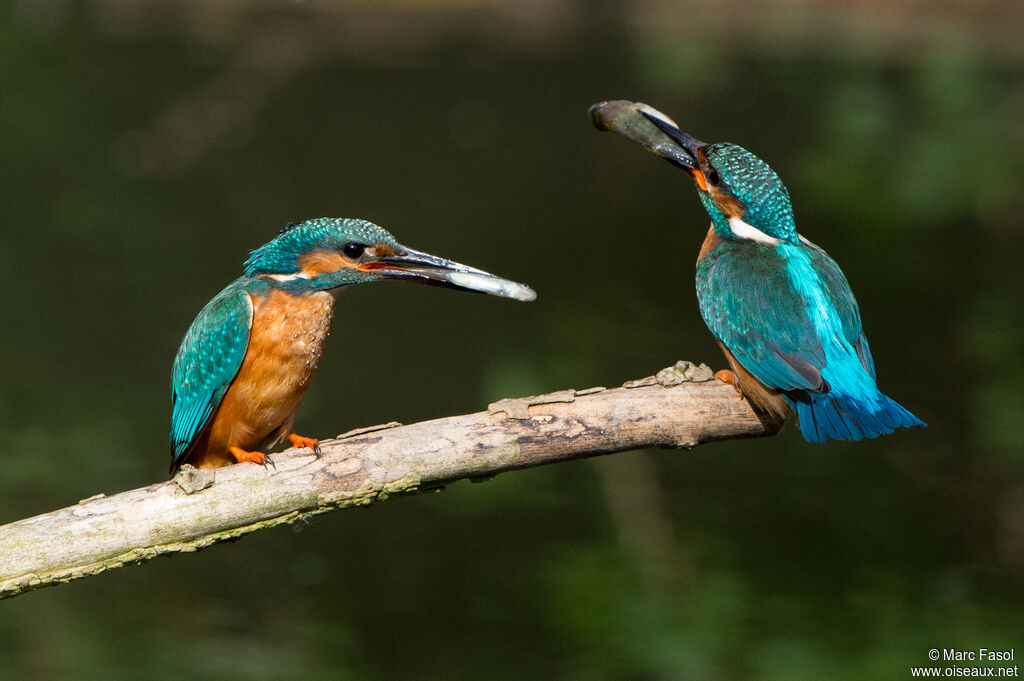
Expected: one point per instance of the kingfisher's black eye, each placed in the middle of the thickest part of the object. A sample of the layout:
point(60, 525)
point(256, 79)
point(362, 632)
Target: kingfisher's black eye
point(353, 250)
point(713, 177)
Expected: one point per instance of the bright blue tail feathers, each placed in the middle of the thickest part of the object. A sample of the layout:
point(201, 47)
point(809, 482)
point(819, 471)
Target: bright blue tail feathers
point(842, 418)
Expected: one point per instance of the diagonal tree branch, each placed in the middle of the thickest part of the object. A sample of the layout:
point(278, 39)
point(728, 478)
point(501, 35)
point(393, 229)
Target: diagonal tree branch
point(199, 508)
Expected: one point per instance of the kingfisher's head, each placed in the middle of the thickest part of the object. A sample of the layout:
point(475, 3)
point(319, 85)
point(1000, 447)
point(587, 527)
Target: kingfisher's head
point(741, 193)
point(328, 253)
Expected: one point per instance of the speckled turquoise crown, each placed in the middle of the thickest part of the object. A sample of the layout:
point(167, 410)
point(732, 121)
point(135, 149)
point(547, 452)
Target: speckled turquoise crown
point(757, 187)
point(281, 255)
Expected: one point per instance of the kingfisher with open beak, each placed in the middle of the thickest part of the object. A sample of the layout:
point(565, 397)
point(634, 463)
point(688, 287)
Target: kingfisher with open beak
point(252, 352)
point(778, 305)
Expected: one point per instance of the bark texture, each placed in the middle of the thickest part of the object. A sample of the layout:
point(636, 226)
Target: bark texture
point(679, 409)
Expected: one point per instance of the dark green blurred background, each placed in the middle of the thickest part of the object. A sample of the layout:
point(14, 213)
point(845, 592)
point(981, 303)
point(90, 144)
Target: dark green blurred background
point(147, 146)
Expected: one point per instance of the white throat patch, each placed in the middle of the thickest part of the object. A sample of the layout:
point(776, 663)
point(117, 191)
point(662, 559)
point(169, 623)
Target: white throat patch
point(289, 277)
point(745, 230)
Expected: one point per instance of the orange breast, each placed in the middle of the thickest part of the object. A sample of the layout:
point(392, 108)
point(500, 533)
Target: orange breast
point(761, 396)
point(710, 241)
point(285, 346)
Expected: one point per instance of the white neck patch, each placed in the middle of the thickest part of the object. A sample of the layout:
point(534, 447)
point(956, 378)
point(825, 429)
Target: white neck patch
point(745, 230)
point(288, 277)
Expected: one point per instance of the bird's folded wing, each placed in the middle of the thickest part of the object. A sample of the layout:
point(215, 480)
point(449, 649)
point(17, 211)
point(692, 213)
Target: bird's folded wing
point(837, 288)
point(751, 306)
point(207, 361)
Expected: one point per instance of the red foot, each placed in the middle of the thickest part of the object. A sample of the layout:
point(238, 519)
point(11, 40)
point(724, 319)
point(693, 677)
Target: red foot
point(242, 456)
point(299, 441)
point(726, 376)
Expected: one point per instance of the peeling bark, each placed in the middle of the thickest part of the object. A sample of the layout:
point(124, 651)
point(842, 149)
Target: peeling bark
point(678, 409)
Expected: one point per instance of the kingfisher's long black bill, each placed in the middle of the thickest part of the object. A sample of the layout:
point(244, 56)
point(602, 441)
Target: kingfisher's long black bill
point(429, 269)
point(649, 128)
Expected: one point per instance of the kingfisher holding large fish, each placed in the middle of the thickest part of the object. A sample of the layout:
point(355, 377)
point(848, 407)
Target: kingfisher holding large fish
point(778, 305)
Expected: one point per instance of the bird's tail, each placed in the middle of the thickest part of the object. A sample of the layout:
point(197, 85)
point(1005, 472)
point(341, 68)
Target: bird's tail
point(828, 417)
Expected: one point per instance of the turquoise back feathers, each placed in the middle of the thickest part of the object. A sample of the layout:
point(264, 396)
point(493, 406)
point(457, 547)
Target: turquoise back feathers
point(777, 303)
point(208, 358)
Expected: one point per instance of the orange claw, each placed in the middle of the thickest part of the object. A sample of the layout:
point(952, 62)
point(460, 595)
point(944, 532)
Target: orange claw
point(242, 456)
point(726, 376)
point(299, 441)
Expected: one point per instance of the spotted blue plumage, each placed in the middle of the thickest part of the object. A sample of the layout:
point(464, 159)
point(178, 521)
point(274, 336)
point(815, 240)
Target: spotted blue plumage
point(778, 304)
point(207, 361)
point(281, 256)
point(784, 308)
point(787, 314)
point(756, 186)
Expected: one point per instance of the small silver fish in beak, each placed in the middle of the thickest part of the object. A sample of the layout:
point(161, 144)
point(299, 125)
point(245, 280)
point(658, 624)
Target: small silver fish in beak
point(429, 269)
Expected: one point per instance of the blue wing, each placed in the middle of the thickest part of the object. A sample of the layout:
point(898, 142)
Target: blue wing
point(837, 290)
point(758, 300)
point(207, 361)
point(749, 303)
